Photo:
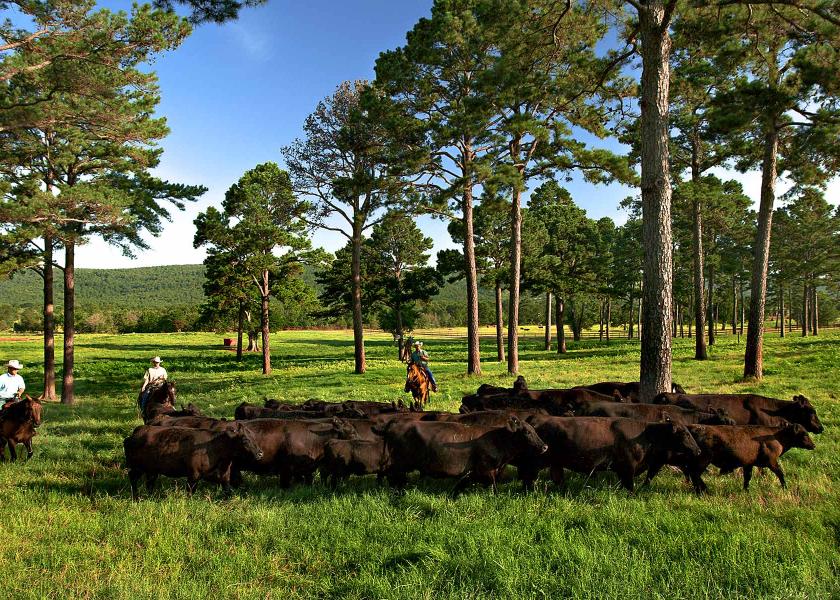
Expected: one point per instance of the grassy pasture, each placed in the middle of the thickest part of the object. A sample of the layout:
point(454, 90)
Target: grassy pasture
point(69, 528)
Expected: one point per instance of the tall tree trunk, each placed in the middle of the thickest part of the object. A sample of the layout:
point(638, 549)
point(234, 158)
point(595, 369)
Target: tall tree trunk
point(601, 321)
point(473, 348)
point(790, 309)
point(639, 324)
point(700, 351)
point(264, 323)
point(240, 326)
point(815, 315)
point(753, 357)
point(515, 266)
point(805, 315)
point(711, 304)
point(400, 332)
point(782, 310)
point(560, 317)
point(548, 320)
point(655, 365)
point(500, 332)
point(68, 381)
point(609, 316)
point(630, 320)
point(734, 306)
point(356, 273)
point(49, 321)
point(741, 329)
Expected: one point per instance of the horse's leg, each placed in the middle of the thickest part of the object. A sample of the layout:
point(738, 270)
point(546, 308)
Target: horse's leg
point(12, 451)
point(28, 445)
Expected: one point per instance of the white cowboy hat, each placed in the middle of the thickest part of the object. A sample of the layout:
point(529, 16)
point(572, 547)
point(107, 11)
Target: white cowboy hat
point(157, 360)
point(14, 364)
point(418, 343)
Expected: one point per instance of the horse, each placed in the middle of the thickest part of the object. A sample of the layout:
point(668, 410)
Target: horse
point(18, 422)
point(417, 382)
point(161, 400)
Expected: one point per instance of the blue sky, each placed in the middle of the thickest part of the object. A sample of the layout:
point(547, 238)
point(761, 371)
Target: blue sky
point(233, 94)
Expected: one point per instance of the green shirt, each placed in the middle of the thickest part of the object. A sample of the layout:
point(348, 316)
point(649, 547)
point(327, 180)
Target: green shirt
point(420, 357)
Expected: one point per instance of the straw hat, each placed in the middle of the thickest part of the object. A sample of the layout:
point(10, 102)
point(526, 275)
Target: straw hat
point(14, 364)
point(157, 360)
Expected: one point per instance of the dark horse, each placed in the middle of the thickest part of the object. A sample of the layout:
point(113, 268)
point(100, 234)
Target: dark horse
point(161, 400)
point(18, 421)
point(417, 382)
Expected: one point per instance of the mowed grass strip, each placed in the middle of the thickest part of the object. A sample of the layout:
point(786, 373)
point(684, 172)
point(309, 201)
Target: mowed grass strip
point(69, 528)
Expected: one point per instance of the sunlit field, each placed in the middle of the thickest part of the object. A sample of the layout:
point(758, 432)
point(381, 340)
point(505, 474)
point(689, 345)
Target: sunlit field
point(70, 529)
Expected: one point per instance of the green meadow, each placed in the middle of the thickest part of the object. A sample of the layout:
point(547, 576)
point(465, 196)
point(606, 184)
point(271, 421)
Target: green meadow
point(69, 529)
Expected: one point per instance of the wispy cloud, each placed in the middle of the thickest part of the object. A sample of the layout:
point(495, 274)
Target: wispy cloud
point(256, 44)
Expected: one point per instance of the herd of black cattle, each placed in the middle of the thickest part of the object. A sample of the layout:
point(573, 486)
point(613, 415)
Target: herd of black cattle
point(583, 429)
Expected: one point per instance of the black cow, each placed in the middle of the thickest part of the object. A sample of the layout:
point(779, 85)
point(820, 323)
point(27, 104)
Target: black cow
point(653, 412)
point(627, 389)
point(343, 458)
point(744, 446)
point(588, 444)
point(471, 453)
point(292, 449)
point(557, 402)
point(185, 452)
point(751, 409)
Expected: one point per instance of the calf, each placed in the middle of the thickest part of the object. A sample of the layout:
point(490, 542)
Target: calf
point(247, 411)
point(343, 458)
point(470, 453)
point(191, 422)
point(744, 446)
point(588, 444)
point(653, 413)
point(751, 409)
point(184, 452)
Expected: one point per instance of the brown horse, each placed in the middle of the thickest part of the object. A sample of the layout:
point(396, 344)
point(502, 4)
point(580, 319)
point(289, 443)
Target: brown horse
point(417, 382)
point(18, 421)
point(161, 401)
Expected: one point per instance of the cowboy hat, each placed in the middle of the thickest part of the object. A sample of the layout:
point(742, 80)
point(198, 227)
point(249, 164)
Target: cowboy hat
point(157, 360)
point(418, 344)
point(14, 364)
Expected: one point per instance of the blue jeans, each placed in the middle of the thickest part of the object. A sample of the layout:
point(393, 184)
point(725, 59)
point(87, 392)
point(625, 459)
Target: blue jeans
point(431, 377)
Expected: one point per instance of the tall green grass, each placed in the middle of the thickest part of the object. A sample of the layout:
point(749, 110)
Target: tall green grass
point(68, 527)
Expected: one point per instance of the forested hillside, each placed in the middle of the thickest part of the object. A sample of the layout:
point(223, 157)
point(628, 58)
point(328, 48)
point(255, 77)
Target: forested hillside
point(143, 287)
point(167, 298)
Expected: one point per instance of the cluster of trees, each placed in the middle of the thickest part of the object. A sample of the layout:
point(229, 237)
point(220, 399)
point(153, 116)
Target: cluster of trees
point(78, 138)
point(486, 99)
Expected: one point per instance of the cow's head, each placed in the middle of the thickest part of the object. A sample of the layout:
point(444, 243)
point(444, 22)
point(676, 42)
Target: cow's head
point(797, 437)
point(661, 399)
point(675, 438)
point(246, 442)
point(527, 435)
point(676, 388)
point(520, 385)
point(803, 412)
point(343, 430)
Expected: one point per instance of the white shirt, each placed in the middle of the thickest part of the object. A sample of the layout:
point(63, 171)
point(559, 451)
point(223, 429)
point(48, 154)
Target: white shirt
point(10, 385)
point(153, 374)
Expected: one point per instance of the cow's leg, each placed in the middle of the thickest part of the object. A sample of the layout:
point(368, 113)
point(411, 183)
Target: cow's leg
point(465, 480)
point(557, 476)
point(697, 480)
point(133, 478)
point(652, 471)
point(236, 477)
point(625, 475)
point(151, 482)
point(747, 476)
point(777, 470)
point(191, 485)
point(28, 445)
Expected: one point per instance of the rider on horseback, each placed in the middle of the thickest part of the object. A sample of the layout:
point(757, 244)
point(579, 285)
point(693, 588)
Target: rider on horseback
point(153, 378)
point(421, 358)
point(11, 384)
